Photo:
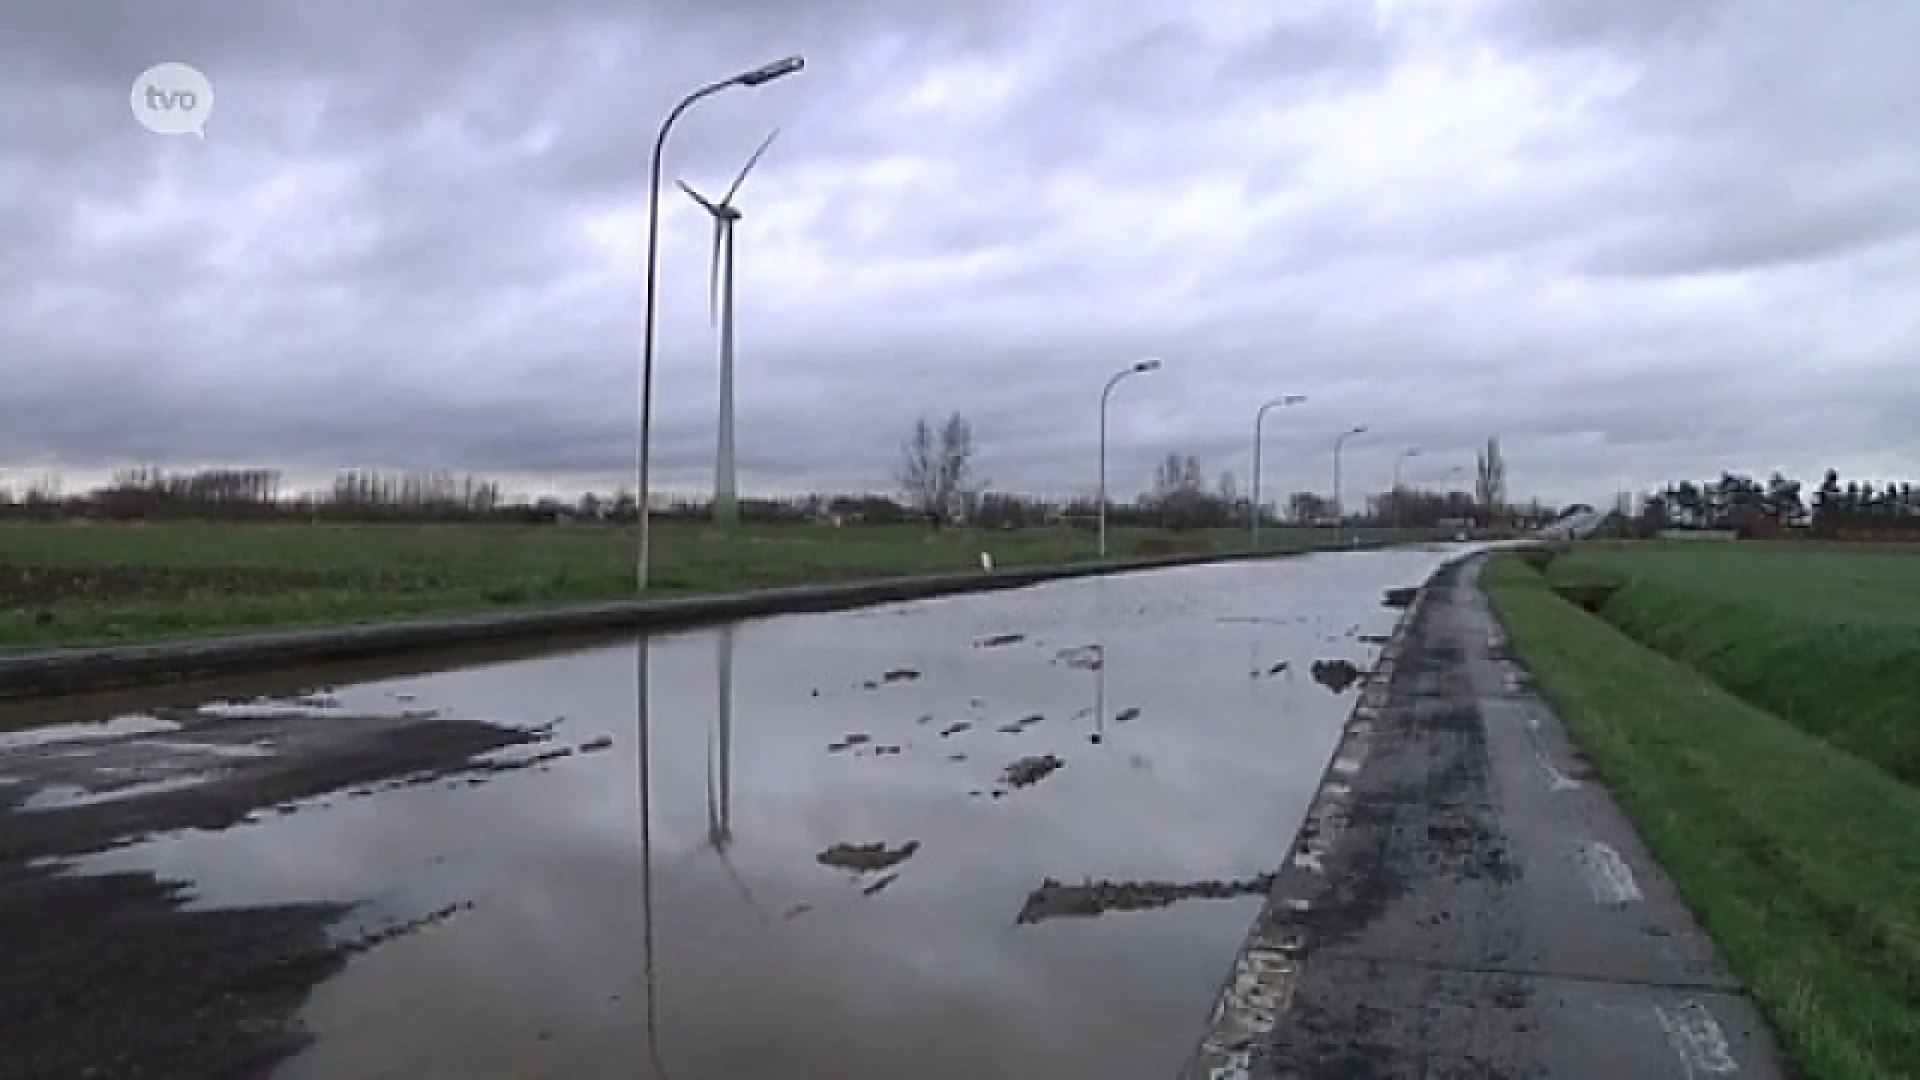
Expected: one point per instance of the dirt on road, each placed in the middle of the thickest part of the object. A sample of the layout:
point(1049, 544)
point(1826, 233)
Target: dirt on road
point(108, 975)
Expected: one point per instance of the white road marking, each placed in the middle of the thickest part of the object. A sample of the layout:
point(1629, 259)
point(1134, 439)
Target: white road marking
point(1239, 1066)
point(1608, 875)
point(1697, 1038)
point(1557, 780)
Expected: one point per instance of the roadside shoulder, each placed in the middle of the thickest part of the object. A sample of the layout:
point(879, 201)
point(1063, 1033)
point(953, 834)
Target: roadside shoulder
point(1464, 899)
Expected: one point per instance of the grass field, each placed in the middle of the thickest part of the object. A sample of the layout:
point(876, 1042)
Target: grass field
point(69, 584)
point(1801, 859)
point(1824, 636)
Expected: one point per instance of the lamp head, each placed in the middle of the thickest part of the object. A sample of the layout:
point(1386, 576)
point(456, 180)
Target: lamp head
point(770, 72)
point(1149, 364)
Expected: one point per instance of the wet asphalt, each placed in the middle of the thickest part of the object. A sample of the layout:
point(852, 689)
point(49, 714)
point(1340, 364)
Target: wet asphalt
point(1017, 833)
point(1472, 903)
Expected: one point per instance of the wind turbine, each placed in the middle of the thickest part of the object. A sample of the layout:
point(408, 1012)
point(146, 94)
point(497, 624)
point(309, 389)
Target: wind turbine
point(726, 499)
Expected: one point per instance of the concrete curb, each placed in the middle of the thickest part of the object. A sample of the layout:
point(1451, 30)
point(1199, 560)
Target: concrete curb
point(1260, 986)
point(67, 671)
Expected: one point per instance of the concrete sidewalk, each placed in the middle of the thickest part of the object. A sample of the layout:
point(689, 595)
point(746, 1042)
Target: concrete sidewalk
point(1466, 901)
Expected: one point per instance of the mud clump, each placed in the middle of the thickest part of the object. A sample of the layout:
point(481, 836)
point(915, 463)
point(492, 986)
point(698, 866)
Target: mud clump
point(1336, 675)
point(997, 640)
point(1375, 639)
point(1126, 716)
point(1401, 598)
point(1031, 770)
point(900, 675)
point(848, 743)
point(867, 858)
point(1054, 900)
point(954, 729)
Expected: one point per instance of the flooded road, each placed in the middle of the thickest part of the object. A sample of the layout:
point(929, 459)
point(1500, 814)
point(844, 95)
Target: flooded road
point(1015, 833)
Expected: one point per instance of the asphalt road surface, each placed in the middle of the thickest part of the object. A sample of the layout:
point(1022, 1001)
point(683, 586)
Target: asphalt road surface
point(1012, 834)
point(1477, 906)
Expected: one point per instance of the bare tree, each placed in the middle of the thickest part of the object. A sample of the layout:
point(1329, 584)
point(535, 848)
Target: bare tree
point(1180, 495)
point(1178, 474)
point(1490, 484)
point(936, 469)
point(1307, 507)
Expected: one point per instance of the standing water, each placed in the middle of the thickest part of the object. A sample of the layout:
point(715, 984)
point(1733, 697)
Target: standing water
point(1008, 834)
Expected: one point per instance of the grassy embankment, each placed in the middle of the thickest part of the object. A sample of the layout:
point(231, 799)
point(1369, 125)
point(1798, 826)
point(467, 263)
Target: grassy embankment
point(99, 583)
point(1767, 752)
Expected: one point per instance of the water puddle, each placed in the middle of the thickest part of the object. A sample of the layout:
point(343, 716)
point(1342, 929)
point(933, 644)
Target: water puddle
point(69, 796)
point(806, 878)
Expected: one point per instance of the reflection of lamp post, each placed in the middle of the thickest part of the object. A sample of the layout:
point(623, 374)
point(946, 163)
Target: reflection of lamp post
point(1136, 369)
point(1339, 444)
point(756, 77)
point(1411, 451)
point(720, 775)
point(642, 663)
point(1260, 418)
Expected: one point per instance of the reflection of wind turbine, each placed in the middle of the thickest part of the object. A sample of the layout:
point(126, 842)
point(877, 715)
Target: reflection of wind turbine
point(726, 499)
point(1099, 693)
point(720, 772)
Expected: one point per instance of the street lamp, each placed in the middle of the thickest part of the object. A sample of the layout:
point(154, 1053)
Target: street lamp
point(1411, 451)
point(1338, 445)
point(1260, 418)
point(1140, 368)
point(758, 76)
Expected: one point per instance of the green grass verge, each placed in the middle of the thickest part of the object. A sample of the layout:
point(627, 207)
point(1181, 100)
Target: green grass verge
point(1824, 636)
point(67, 584)
point(1801, 860)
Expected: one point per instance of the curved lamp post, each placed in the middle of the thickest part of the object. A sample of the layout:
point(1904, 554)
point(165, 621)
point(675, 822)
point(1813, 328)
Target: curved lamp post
point(1411, 451)
point(1136, 369)
point(1259, 418)
point(764, 74)
point(1339, 444)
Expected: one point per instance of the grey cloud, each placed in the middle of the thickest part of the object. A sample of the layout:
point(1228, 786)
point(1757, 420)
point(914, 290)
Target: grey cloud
point(1616, 24)
point(1654, 282)
point(1340, 43)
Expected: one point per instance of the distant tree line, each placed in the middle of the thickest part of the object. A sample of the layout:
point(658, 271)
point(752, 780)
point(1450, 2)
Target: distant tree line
point(1742, 503)
point(937, 484)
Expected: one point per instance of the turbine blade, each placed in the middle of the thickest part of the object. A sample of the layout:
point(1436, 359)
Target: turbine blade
point(697, 197)
point(751, 162)
point(729, 281)
point(721, 228)
point(713, 815)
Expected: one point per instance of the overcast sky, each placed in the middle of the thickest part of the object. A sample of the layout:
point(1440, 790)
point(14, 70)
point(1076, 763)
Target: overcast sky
point(1636, 239)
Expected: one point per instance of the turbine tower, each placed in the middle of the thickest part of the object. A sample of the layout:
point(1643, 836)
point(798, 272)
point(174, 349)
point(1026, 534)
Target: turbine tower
point(726, 498)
